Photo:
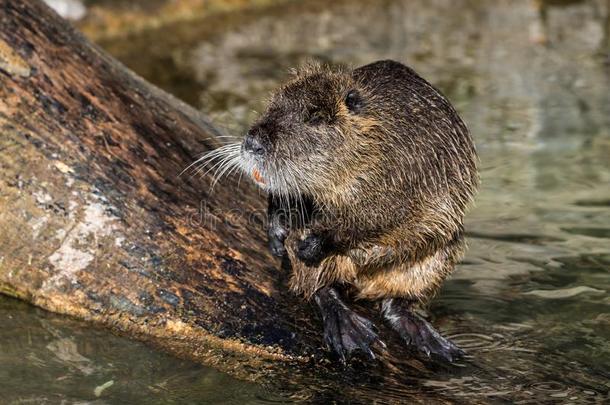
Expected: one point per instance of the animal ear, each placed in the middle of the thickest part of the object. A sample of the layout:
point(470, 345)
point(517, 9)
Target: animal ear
point(353, 101)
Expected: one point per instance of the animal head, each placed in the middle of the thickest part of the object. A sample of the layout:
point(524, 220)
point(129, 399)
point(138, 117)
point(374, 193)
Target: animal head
point(312, 135)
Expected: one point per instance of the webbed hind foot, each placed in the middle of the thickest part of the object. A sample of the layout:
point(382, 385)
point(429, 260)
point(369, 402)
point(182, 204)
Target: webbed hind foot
point(345, 332)
point(418, 332)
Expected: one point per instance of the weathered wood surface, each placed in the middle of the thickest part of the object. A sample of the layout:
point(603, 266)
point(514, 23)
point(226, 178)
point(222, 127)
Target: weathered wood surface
point(96, 223)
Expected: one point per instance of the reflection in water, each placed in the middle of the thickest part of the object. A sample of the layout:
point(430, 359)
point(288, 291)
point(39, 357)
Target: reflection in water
point(530, 302)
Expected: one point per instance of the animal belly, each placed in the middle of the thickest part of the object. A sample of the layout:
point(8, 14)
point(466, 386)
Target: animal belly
point(419, 281)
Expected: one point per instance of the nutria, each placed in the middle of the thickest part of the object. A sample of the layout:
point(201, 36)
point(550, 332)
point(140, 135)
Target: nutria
point(369, 172)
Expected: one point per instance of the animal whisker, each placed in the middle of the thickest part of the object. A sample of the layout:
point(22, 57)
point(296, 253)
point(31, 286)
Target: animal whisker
point(210, 156)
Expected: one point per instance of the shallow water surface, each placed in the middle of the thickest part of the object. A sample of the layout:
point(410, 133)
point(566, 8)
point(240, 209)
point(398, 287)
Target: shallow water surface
point(530, 302)
point(46, 358)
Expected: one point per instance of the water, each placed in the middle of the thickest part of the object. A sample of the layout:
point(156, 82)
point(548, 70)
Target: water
point(530, 303)
point(46, 358)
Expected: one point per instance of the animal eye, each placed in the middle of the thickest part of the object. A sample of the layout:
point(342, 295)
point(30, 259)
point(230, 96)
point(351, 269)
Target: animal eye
point(353, 101)
point(316, 117)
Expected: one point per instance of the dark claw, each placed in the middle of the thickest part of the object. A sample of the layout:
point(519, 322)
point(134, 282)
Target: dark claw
point(276, 247)
point(277, 236)
point(419, 333)
point(311, 250)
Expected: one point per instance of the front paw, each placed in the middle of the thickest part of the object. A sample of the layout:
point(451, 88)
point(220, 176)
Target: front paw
point(277, 236)
point(311, 250)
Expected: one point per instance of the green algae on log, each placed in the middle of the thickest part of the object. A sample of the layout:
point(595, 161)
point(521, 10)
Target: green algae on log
point(97, 224)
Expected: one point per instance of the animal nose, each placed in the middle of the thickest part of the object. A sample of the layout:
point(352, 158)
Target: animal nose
point(253, 145)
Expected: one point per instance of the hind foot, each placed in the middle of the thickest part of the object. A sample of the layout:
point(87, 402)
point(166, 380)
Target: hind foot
point(345, 332)
point(417, 332)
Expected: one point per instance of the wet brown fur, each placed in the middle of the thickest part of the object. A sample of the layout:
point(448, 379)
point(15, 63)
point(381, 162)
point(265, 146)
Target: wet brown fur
point(390, 182)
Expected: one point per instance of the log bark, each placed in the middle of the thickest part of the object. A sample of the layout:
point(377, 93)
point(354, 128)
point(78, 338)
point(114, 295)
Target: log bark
point(96, 223)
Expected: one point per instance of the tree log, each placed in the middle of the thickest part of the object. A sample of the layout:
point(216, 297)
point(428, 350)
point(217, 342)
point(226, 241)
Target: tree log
point(96, 222)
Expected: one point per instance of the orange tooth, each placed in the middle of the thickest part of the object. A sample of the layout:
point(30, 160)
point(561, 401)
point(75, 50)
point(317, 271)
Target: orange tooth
point(257, 176)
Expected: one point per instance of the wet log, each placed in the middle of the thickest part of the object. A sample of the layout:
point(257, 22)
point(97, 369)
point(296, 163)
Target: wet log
point(96, 222)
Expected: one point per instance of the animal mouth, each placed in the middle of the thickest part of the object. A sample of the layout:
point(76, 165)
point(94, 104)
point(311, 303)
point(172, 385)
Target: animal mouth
point(256, 175)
